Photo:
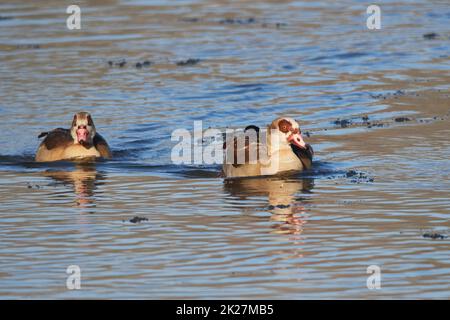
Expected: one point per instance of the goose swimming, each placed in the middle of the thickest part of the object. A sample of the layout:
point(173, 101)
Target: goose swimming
point(81, 141)
point(283, 149)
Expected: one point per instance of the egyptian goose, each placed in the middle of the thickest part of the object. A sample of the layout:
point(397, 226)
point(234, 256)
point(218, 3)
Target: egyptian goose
point(282, 148)
point(81, 141)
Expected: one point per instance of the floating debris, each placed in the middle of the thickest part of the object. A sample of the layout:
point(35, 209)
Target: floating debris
point(238, 21)
point(120, 63)
point(358, 177)
point(430, 36)
point(28, 46)
point(395, 94)
point(434, 235)
point(402, 119)
point(399, 93)
point(138, 219)
point(377, 124)
point(188, 62)
point(30, 186)
point(190, 19)
point(146, 63)
point(344, 123)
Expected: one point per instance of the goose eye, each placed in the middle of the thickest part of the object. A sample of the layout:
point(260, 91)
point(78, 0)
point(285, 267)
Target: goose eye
point(284, 126)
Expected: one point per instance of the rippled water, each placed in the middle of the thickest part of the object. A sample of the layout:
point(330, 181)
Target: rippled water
point(374, 192)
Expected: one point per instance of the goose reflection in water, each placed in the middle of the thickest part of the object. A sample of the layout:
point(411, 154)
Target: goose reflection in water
point(84, 179)
point(285, 202)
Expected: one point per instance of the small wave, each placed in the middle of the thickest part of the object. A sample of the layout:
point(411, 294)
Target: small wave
point(122, 164)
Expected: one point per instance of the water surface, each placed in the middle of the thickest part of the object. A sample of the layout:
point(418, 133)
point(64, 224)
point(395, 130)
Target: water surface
point(377, 186)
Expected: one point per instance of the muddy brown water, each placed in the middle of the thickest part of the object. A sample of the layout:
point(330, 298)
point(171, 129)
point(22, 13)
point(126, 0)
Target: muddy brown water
point(378, 185)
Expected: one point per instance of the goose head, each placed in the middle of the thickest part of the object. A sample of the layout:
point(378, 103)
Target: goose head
point(83, 129)
point(288, 132)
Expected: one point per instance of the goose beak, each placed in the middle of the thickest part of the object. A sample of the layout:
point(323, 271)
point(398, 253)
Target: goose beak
point(297, 139)
point(82, 134)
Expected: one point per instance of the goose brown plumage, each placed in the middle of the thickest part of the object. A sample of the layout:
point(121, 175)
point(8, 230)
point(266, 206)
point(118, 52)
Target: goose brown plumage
point(283, 149)
point(81, 141)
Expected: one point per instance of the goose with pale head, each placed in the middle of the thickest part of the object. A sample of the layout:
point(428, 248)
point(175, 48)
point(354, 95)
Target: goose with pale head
point(81, 141)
